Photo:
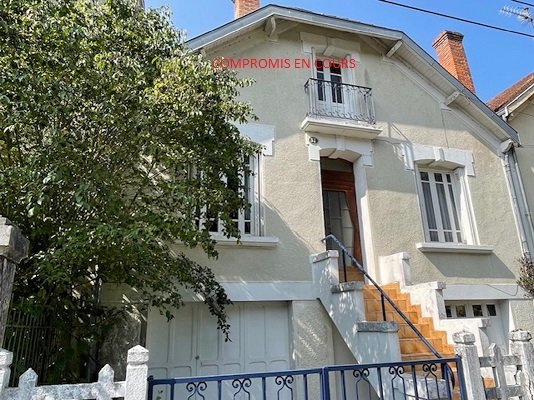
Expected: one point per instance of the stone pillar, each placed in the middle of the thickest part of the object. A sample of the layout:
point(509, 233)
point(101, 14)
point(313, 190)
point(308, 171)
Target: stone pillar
point(521, 346)
point(464, 344)
point(6, 358)
point(13, 248)
point(136, 374)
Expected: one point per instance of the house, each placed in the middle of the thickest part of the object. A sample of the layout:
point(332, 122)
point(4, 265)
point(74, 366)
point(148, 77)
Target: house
point(515, 105)
point(367, 137)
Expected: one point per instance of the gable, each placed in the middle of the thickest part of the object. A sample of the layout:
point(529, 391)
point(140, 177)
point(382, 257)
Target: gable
point(392, 44)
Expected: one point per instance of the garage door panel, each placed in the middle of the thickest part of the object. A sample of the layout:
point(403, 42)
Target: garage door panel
point(158, 373)
point(259, 340)
point(232, 350)
point(182, 371)
point(255, 332)
point(159, 353)
point(183, 328)
point(208, 335)
point(276, 320)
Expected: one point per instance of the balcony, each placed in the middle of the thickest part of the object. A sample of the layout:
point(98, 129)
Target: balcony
point(339, 109)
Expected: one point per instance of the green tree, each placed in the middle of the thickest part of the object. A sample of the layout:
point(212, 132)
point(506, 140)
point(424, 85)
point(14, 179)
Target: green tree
point(114, 142)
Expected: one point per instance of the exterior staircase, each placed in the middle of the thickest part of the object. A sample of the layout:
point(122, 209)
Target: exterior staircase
point(412, 348)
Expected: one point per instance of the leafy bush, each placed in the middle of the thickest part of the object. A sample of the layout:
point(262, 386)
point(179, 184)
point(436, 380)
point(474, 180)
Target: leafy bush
point(526, 274)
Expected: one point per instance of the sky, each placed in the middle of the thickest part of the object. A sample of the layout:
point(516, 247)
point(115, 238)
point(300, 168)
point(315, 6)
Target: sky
point(497, 59)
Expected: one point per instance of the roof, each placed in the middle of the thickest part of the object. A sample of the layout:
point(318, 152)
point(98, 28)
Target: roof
point(511, 93)
point(393, 40)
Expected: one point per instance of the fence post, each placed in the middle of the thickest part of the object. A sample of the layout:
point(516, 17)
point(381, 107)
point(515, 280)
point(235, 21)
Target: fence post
point(13, 248)
point(464, 344)
point(521, 346)
point(136, 374)
point(27, 383)
point(6, 357)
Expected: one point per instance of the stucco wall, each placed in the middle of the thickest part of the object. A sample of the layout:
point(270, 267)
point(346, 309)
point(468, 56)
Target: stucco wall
point(312, 335)
point(407, 109)
point(523, 122)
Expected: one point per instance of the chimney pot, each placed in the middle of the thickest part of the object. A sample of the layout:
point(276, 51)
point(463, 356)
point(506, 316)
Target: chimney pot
point(451, 56)
point(244, 7)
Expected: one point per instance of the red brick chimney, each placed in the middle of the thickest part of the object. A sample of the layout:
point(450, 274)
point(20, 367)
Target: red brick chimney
point(243, 7)
point(451, 56)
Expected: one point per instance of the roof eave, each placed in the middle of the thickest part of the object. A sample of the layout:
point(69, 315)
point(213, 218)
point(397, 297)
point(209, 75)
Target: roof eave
point(256, 18)
point(236, 27)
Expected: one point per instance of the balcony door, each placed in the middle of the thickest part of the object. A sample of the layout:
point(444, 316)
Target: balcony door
point(340, 212)
point(331, 98)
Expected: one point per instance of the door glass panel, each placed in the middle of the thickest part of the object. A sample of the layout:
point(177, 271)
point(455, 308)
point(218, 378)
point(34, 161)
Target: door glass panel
point(337, 219)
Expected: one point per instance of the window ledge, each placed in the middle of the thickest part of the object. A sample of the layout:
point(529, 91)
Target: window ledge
point(433, 247)
point(247, 241)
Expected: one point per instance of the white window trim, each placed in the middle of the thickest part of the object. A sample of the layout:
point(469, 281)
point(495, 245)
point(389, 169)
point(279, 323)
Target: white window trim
point(462, 200)
point(437, 247)
point(247, 241)
point(461, 162)
point(264, 135)
point(255, 206)
point(469, 312)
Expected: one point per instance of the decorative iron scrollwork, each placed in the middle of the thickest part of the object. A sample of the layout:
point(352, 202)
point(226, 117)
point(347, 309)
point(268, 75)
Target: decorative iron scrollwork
point(196, 388)
point(285, 382)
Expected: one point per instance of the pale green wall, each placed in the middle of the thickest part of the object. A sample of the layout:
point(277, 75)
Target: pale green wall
point(406, 111)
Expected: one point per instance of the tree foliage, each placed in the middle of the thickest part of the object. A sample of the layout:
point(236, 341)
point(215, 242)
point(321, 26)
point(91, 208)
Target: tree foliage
point(526, 274)
point(114, 141)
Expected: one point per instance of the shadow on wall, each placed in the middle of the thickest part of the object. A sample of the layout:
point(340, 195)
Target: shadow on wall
point(470, 266)
point(288, 260)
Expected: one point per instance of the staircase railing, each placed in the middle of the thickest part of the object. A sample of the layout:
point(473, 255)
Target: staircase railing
point(384, 298)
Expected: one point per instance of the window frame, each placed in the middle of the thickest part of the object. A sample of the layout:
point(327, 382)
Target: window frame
point(254, 199)
point(451, 308)
point(462, 226)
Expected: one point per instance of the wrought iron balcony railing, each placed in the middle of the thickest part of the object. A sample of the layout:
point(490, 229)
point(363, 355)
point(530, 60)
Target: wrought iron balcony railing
point(339, 100)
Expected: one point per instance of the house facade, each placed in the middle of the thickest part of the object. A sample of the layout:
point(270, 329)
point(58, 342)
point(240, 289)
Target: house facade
point(515, 105)
point(366, 137)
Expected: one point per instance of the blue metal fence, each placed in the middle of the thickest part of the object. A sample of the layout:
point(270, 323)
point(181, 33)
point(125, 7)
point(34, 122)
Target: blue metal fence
point(424, 379)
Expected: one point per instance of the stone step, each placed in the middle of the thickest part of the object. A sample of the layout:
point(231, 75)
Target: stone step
point(393, 316)
point(411, 346)
point(416, 345)
point(424, 356)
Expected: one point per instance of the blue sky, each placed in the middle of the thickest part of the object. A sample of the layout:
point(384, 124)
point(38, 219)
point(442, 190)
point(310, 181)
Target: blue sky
point(497, 59)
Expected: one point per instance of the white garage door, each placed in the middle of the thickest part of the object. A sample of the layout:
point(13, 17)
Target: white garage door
point(191, 345)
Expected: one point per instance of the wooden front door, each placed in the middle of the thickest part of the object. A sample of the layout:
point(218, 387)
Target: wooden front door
point(341, 217)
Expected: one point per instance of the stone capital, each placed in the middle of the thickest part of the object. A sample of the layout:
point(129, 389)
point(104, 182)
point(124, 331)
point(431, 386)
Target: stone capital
point(463, 337)
point(520, 335)
point(13, 245)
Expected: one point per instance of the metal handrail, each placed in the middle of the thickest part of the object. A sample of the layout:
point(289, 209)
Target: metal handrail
point(384, 296)
point(336, 83)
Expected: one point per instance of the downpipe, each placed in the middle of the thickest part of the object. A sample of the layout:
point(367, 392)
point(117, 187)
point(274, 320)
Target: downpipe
point(518, 197)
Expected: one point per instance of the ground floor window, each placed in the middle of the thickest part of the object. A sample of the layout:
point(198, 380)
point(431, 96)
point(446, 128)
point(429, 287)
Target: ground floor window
point(470, 309)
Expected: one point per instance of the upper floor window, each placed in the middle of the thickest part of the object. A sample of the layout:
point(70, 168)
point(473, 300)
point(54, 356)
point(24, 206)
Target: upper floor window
point(247, 220)
point(440, 198)
point(329, 81)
